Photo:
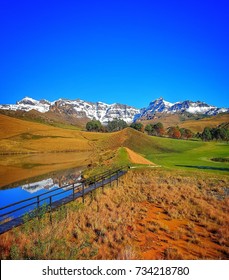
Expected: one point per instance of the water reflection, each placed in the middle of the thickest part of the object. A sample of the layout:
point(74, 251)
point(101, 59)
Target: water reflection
point(15, 169)
point(34, 186)
point(47, 184)
point(59, 180)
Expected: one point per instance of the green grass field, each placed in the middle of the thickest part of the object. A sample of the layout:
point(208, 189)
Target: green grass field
point(170, 153)
point(174, 153)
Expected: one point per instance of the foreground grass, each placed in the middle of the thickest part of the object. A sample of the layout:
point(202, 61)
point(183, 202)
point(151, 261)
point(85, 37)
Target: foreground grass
point(151, 214)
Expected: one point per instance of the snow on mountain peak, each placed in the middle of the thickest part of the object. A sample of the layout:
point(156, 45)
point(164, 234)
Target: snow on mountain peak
point(107, 112)
point(98, 110)
point(28, 104)
point(28, 101)
point(158, 105)
point(162, 106)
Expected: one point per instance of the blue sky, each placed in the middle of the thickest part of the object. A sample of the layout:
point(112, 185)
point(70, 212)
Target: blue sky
point(122, 51)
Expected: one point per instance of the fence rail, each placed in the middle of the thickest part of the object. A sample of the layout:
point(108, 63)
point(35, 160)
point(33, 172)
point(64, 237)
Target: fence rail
point(11, 215)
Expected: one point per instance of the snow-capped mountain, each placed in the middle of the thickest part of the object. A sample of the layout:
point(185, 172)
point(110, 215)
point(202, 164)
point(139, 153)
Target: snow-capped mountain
point(77, 108)
point(80, 109)
point(162, 106)
point(99, 110)
point(157, 106)
point(27, 104)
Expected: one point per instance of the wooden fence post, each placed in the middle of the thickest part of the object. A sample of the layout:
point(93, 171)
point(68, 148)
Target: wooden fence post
point(103, 184)
point(38, 206)
point(38, 202)
point(73, 191)
point(83, 192)
point(50, 209)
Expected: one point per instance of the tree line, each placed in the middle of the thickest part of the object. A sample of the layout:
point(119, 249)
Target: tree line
point(157, 129)
point(114, 125)
point(217, 133)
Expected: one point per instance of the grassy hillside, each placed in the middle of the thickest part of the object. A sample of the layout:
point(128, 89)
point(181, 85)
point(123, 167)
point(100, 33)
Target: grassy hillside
point(167, 120)
point(54, 119)
point(199, 125)
point(18, 136)
point(192, 155)
point(196, 125)
point(171, 153)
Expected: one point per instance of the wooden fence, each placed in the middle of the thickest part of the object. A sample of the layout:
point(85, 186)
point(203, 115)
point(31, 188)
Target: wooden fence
point(11, 215)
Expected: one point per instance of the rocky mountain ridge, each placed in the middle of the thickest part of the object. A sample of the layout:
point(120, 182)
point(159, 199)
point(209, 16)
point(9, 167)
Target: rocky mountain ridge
point(162, 106)
point(77, 108)
point(107, 112)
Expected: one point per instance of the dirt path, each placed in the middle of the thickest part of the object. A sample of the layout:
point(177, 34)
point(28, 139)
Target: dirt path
point(136, 158)
point(160, 237)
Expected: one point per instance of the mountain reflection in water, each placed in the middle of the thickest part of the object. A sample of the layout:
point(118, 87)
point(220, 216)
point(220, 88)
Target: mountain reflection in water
point(49, 183)
point(36, 186)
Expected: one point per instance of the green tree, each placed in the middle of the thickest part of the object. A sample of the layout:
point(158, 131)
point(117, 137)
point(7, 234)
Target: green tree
point(138, 126)
point(220, 133)
point(116, 124)
point(206, 135)
point(155, 129)
point(94, 125)
point(198, 135)
point(225, 134)
point(149, 128)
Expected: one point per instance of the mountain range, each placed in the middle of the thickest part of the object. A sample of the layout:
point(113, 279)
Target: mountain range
point(80, 109)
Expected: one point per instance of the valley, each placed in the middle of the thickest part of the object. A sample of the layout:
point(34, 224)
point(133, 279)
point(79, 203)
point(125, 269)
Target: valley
point(114, 139)
point(172, 203)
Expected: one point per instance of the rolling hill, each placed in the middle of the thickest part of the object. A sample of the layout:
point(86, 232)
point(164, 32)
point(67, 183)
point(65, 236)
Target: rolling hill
point(167, 152)
point(19, 136)
point(200, 124)
point(195, 124)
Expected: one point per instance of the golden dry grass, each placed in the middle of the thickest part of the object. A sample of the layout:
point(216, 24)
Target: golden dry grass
point(199, 125)
point(19, 136)
point(167, 120)
point(151, 214)
point(194, 125)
